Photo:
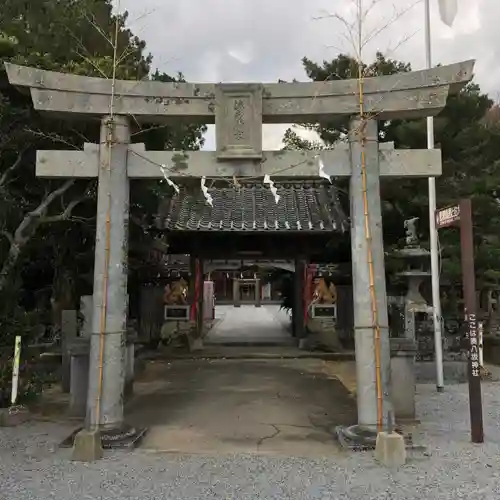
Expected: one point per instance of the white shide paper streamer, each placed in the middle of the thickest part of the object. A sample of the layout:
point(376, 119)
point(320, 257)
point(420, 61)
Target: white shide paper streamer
point(272, 188)
point(206, 194)
point(321, 171)
point(170, 182)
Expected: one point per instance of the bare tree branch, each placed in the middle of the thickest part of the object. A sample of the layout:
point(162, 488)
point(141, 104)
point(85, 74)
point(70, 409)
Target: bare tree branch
point(8, 236)
point(53, 195)
point(349, 35)
point(25, 231)
point(52, 136)
point(5, 176)
point(98, 28)
point(396, 16)
point(88, 58)
point(67, 212)
point(127, 52)
point(65, 215)
point(93, 64)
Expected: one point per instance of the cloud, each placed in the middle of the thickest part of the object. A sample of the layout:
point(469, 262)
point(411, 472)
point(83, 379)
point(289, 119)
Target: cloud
point(265, 40)
point(242, 53)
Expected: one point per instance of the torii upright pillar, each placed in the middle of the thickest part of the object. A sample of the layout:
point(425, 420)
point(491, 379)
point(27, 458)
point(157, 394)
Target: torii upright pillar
point(104, 424)
point(109, 318)
point(365, 283)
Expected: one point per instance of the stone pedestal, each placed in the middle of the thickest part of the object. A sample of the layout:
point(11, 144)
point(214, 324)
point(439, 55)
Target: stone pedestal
point(403, 378)
point(79, 384)
point(323, 331)
point(69, 332)
point(79, 352)
point(491, 346)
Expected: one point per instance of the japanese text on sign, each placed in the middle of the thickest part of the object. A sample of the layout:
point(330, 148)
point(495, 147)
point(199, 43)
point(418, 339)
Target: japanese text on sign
point(473, 344)
point(447, 216)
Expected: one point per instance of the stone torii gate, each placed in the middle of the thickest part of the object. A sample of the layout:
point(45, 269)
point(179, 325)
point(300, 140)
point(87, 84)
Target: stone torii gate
point(238, 110)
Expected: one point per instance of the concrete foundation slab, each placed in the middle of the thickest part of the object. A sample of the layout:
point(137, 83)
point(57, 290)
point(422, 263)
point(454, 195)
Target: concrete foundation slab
point(288, 407)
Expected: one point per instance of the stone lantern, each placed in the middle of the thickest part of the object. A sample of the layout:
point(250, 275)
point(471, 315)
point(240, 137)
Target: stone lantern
point(415, 274)
point(404, 350)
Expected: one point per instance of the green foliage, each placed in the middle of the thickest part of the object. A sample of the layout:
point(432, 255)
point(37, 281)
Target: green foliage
point(46, 246)
point(31, 382)
point(468, 133)
point(87, 28)
point(341, 68)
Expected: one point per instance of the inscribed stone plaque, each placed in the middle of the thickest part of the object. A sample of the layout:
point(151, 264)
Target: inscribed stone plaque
point(238, 121)
point(177, 313)
point(324, 311)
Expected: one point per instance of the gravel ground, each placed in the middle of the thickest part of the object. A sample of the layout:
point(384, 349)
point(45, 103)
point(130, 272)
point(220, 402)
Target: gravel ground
point(32, 467)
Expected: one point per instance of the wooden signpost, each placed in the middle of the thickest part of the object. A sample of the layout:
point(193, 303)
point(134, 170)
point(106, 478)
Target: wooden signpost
point(462, 215)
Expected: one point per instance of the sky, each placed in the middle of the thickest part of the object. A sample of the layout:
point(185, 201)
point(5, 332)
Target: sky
point(265, 40)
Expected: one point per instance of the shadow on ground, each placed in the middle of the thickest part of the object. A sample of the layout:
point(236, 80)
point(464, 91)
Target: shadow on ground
point(274, 406)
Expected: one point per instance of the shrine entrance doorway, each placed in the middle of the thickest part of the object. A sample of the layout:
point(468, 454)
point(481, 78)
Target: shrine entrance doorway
point(250, 234)
point(248, 291)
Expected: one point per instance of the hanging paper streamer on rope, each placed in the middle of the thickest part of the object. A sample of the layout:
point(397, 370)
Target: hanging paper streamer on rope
point(272, 188)
point(170, 182)
point(206, 194)
point(321, 171)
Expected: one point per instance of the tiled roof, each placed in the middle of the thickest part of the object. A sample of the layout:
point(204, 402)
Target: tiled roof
point(303, 206)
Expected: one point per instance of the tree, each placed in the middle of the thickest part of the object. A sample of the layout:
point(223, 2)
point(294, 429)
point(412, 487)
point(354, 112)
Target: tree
point(342, 68)
point(47, 227)
point(467, 132)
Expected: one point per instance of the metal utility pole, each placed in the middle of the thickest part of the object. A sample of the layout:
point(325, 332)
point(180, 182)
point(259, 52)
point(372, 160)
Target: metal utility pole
point(436, 300)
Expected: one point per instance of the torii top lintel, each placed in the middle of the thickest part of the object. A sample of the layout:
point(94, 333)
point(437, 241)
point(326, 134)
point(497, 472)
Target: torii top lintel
point(403, 95)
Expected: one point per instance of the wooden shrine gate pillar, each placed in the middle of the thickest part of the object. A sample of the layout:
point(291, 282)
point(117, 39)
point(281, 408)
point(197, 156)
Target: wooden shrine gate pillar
point(299, 285)
point(308, 289)
point(196, 282)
